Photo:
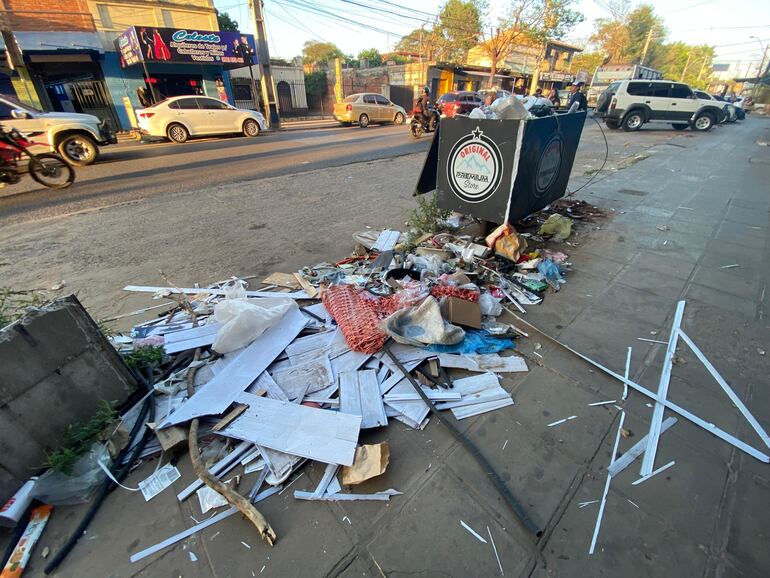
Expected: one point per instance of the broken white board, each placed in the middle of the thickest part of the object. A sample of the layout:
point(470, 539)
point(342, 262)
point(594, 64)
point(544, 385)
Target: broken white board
point(218, 292)
point(185, 339)
point(482, 363)
point(267, 383)
point(475, 398)
point(216, 396)
point(360, 395)
point(413, 412)
point(479, 408)
point(383, 496)
point(309, 343)
point(299, 380)
point(636, 450)
point(431, 394)
point(317, 434)
point(349, 361)
point(386, 240)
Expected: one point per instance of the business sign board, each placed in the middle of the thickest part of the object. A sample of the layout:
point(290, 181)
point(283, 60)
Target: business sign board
point(145, 44)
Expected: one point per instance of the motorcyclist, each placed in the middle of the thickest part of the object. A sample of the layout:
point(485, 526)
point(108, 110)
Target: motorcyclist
point(424, 106)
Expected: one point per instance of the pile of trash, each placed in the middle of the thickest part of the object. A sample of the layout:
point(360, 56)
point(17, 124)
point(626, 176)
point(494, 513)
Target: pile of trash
point(514, 107)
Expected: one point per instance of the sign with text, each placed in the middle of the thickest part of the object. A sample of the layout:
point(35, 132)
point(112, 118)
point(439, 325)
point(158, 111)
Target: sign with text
point(146, 44)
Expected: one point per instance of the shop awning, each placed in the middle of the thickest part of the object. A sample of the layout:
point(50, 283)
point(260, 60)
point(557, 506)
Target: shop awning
point(181, 45)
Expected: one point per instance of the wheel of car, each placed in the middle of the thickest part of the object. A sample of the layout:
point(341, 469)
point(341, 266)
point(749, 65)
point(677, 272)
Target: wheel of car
point(363, 120)
point(704, 122)
point(399, 118)
point(177, 133)
point(633, 121)
point(79, 150)
point(679, 126)
point(250, 127)
point(612, 124)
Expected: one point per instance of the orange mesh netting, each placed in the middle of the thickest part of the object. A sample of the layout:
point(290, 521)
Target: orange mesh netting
point(358, 314)
point(439, 291)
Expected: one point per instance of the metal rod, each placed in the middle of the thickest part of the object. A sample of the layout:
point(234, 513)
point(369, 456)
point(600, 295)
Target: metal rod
point(648, 461)
point(497, 481)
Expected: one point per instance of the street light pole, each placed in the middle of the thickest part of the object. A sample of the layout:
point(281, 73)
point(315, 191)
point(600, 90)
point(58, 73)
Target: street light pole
point(764, 54)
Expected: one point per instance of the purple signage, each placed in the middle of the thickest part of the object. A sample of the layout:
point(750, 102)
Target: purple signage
point(146, 44)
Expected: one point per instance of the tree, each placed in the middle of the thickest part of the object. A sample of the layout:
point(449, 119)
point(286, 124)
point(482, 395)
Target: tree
point(316, 83)
point(225, 22)
point(611, 37)
point(458, 29)
point(646, 34)
point(411, 42)
point(372, 55)
point(317, 53)
point(686, 63)
point(588, 61)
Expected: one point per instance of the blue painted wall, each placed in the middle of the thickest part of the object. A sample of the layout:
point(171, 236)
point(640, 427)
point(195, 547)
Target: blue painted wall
point(125, 81)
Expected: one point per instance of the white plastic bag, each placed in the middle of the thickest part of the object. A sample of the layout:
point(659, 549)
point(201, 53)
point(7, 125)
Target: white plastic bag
point(60, 489)
point(243, 320)
point(489, 305)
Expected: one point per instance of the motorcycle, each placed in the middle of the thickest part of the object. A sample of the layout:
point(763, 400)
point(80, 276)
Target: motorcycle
point(48, 169)
point(418, 128)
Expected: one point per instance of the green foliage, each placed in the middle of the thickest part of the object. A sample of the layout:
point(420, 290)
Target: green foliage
point(690, 64)
point(427, 216)
point(560, 19)
point(372, 55)
point(412, 42)
point(225, 22)
point(316, 83)
point(14, 304)
point(458, 29)
point(587, 61)
point(643, 22)
point(148, 356)
point(317, 53)
point(79, 438)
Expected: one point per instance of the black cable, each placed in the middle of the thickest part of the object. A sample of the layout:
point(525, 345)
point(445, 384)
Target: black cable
point(495, 478)
point(107, 485)
point(601, 168)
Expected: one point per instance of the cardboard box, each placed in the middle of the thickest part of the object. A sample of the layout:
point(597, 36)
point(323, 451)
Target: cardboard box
point(462, 312)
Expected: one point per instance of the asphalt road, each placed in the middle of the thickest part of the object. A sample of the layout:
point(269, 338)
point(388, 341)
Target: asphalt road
point(133, 171)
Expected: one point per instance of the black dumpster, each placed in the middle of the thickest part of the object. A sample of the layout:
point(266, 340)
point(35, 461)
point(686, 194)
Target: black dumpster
point(501, 170)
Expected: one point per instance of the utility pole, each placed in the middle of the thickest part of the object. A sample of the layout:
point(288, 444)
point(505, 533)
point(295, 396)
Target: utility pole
point(702, 67)
point(646, 47)
point(546, 26)
point(686, 65)
point(269, 100)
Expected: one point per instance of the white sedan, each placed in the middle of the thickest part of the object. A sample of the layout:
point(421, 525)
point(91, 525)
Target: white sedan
point(182, 117)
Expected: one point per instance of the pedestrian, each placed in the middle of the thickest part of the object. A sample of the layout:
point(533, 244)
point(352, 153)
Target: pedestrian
point(539, 93)
point(553, 96)
point(577, 97)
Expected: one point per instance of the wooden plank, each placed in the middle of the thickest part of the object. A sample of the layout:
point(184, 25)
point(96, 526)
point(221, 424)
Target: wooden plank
point(306, 286)
point(317, 434)
point(225, 421)
point(282, 280)
point(217, 395)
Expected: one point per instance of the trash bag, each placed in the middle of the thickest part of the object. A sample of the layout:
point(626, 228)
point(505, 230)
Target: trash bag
point(557, 226)
point(475, 342)
point(551, 272)
point(243, 320)
point(509, 108)
point(60, 489)
point(506, 242)
point(489, 305)
point(422, 325)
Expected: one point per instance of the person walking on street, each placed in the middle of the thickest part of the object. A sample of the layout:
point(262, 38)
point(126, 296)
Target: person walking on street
point(553, 96)
point(577, 96)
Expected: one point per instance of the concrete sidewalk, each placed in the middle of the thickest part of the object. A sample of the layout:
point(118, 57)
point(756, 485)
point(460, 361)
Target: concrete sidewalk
point(681, 214)
point(308, 124)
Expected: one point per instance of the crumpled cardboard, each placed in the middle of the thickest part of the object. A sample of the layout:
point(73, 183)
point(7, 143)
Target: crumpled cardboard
point(369, 462)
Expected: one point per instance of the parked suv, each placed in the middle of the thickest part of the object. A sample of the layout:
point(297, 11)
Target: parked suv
point(76, 137)
point(628, 104)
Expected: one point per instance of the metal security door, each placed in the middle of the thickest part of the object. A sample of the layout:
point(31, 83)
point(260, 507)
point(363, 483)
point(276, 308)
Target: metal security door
point(91, 97)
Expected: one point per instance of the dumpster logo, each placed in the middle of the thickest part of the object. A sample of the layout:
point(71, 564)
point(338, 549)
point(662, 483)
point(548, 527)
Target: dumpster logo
point(548, 167)
point(475, 167)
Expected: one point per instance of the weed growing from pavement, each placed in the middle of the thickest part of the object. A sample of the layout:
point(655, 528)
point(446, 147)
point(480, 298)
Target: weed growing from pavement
point(14, 304)
point(427, 217)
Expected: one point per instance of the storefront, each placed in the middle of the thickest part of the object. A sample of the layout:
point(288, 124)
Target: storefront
point(151, 64)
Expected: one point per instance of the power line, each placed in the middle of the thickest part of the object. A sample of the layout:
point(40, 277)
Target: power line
point(316, 9)
point(688, 7)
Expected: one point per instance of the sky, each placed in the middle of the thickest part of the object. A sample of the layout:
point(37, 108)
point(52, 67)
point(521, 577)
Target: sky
point(725, 24)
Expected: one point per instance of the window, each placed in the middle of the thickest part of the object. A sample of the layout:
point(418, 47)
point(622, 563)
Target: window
point(702, 95)
point(382, 100)
point(680, 91)
point(449, 96)
point(369, 99)
point(211, 104)
point(168, 18)
point(104, 15)
point(660, 89)
point(613, 87)
point(184, 103)
point(639, 89)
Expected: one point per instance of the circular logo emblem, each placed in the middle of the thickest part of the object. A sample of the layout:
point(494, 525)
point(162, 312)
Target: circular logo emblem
point(548, 167)
point(474, 167)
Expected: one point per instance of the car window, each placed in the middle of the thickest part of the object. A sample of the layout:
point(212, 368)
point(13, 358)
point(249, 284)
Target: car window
point(5, 110)
point(639, 89)
point(369, 99)
point(382, 100)
point(702, 95)
point(448, 96)
point(680, 91)
point(184, 103)
point(659, 89)
point(613, 87)
point(351, 98)
point(211, 104)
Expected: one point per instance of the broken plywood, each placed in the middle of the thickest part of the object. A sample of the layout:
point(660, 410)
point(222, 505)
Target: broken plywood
point(360, 395)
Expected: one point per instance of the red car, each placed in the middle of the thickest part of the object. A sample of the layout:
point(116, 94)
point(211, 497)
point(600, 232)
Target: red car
point(461, 102)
